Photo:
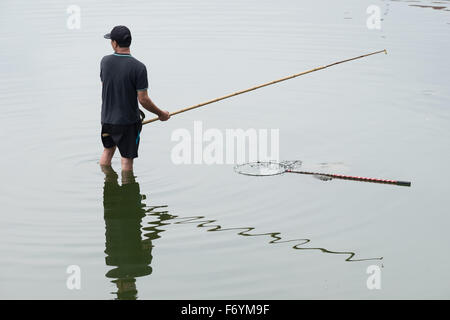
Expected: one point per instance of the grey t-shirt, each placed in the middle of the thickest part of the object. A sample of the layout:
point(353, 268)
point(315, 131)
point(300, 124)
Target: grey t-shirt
point(122, 76)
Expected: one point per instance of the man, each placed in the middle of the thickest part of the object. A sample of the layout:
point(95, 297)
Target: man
point(124, 82)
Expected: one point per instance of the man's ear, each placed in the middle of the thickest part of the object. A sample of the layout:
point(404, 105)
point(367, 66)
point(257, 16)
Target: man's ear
point(114, 44)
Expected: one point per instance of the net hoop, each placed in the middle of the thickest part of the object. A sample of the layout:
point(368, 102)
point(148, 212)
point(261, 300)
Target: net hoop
point(265, 168)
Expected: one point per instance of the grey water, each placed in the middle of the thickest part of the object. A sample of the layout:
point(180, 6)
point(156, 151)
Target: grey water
point(197, 231)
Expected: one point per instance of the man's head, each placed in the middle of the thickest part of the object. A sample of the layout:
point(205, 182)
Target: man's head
point(120, 37)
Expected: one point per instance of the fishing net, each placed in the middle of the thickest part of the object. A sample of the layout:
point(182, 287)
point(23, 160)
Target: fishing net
point(271, 168)
point(266, 168)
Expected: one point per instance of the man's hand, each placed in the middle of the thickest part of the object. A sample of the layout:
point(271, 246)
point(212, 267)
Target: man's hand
point(164, 116)
point(148, 104)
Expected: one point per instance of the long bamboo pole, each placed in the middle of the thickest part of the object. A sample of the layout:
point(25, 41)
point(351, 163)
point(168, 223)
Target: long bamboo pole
point(264, 85)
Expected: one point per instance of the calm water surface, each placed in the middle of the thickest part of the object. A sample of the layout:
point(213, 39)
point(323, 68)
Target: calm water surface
point(199, 231)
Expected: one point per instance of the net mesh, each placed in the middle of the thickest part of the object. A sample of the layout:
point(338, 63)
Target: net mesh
point(266, 168)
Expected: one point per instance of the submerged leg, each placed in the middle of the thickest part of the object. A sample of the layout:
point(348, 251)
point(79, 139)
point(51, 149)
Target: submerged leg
point(128, 177)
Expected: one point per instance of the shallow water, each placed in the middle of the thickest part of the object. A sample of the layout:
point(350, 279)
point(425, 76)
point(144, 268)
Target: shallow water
point(203, 231)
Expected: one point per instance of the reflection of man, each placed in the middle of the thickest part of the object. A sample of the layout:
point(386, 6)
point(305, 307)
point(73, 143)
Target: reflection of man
point(125, 249)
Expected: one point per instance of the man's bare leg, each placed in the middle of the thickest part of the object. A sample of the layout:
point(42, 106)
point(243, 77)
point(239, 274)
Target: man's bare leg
point(107, 155)
point(127, 164)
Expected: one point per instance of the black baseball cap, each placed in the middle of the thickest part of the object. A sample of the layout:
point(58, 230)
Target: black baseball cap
point(121, 34)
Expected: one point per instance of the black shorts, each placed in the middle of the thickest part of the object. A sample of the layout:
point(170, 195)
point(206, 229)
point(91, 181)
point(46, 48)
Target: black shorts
point(125, 137)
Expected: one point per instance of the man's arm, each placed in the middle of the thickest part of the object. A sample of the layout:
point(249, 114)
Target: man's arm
point(148, 104)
